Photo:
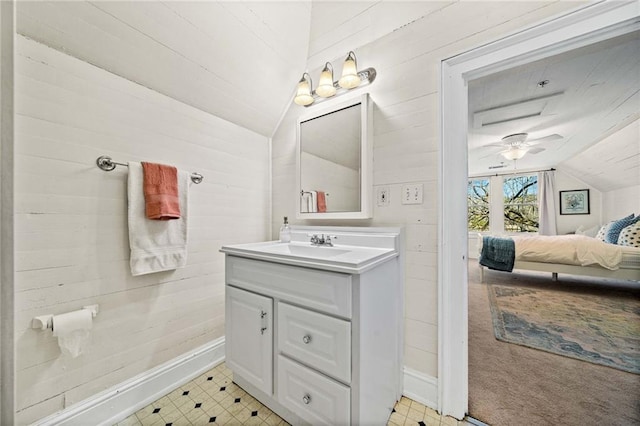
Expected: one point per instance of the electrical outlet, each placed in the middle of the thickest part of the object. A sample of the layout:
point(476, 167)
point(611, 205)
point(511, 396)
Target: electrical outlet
point(382, 195)
point(412, 193)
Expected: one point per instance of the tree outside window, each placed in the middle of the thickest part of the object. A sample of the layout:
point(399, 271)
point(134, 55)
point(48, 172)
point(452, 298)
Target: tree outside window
point(478, 202)
point(521, 203)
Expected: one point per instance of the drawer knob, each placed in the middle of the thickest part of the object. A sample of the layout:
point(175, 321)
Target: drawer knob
point(306, 338)
point(306, 399)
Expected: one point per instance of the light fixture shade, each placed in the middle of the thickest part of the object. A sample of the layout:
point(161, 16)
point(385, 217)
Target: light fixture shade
point(350, 78)
point(514, 153)
point(325, 86)
point(303, 94)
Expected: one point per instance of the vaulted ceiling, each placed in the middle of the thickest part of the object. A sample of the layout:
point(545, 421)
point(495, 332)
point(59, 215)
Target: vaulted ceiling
point(610, 164)
point(238, 60)
point(575, 104)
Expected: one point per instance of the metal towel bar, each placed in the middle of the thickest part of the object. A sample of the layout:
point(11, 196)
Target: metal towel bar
point(302, 192)
point(107, 164)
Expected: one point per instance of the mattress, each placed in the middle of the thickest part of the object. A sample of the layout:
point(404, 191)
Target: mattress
point(630, 258)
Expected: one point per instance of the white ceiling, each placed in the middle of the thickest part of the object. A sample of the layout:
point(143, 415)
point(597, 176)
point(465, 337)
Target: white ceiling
point(611, 164)
point(340, 26)
point(592, 92)
point(238, 60)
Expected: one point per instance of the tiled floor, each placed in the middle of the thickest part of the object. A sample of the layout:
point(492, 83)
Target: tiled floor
point(213, 399)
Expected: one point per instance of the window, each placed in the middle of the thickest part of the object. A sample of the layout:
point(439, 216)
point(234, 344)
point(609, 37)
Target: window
point(514, 209)
point(521, 203)
point(478, 202)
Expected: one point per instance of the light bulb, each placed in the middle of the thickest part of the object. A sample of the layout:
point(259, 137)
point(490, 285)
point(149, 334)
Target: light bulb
point(325, 86)
point(303, 94)
point(350, 78)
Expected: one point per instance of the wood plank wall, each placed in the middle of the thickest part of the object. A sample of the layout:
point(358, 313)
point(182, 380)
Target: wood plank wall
point(71, 226)
point(621, 202)
point(406, 149)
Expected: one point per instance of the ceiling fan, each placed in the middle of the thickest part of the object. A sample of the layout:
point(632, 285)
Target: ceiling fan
point(518, 144)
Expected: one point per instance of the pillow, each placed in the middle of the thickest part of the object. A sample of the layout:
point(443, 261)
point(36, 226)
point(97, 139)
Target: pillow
point(616, 227)
point(589, 232)
point(602, 233)
point(630, 236)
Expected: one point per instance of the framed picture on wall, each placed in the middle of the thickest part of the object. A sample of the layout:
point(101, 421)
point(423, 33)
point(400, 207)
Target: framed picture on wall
point(574, 202)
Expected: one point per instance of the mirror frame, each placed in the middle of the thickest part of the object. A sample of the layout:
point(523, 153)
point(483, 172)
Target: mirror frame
point(366, 156)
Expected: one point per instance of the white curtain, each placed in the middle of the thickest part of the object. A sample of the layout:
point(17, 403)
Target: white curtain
point(547, 203)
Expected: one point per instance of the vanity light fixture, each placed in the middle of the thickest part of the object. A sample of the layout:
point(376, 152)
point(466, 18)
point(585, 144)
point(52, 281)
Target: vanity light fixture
point(351, 78)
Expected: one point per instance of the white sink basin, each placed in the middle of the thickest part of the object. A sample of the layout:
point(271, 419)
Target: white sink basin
point(306, 250)
point(341, 258)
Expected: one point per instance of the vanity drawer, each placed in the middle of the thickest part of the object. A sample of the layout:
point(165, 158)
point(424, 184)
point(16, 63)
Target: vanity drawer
point(325, 291)
point(317, 340)
point(312, 396)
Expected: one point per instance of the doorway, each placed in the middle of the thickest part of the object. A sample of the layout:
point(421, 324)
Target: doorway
point(593, 23)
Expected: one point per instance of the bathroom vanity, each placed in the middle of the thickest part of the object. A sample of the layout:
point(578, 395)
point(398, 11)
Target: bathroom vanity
point(315, 332)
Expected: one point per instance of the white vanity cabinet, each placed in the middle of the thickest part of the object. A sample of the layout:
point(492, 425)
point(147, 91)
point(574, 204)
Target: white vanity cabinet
point(315, 345)
point(250, 316)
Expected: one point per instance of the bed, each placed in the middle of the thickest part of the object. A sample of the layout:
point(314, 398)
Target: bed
point(566, 254)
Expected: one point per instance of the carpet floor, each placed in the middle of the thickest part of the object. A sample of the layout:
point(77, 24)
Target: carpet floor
point(511, 384)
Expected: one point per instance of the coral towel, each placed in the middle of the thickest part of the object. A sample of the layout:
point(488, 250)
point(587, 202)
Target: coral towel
point(322, 202)
point(161, 191)
point(156, 245)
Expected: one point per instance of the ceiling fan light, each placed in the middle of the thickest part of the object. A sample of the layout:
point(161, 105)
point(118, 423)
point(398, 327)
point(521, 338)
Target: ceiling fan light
point(350, 78)
point(303, 94)
point(514, 153)
point(326, 88)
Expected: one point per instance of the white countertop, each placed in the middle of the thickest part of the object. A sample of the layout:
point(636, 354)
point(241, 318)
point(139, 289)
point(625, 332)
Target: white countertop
point(350, 259)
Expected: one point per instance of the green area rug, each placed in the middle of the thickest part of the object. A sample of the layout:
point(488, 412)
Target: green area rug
point(602, 329)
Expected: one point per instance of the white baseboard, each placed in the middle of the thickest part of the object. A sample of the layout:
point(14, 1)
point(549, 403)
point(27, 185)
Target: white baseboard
point(117, 403)
point(421, 388)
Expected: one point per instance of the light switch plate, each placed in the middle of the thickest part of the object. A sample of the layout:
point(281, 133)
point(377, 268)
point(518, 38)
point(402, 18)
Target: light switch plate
point(382, 196)
point(412, 193)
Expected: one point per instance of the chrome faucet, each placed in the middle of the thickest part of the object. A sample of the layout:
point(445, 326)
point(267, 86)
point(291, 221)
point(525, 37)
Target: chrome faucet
point(321, 240)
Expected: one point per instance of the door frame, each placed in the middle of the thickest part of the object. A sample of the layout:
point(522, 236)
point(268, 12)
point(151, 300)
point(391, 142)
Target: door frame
point(587, 25)
point(7, 261)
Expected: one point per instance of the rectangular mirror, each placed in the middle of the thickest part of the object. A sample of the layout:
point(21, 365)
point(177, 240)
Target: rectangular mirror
point(334, 154)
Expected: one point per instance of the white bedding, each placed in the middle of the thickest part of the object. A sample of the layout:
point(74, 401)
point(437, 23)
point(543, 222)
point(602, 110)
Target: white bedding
point(570, 250)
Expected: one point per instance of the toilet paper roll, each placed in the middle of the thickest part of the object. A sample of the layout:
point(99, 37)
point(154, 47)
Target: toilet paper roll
point(73, 331)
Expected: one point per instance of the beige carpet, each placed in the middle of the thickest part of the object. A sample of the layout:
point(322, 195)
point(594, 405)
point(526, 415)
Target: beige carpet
point(513, 385)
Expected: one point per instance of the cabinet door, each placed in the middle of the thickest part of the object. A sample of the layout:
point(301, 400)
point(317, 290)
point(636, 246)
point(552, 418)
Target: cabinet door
point(249, 337)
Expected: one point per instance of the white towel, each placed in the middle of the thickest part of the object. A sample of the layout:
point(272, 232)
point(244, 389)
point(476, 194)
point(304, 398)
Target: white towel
point(307, 203)
point(156, 245)
point(314, 202)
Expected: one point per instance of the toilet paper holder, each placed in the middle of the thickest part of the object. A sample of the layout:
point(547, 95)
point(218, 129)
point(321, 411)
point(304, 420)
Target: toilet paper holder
point(43, 322)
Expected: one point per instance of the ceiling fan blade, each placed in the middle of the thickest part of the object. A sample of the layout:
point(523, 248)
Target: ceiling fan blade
point(545, 139)
point(488, 155)
point(535, 150)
